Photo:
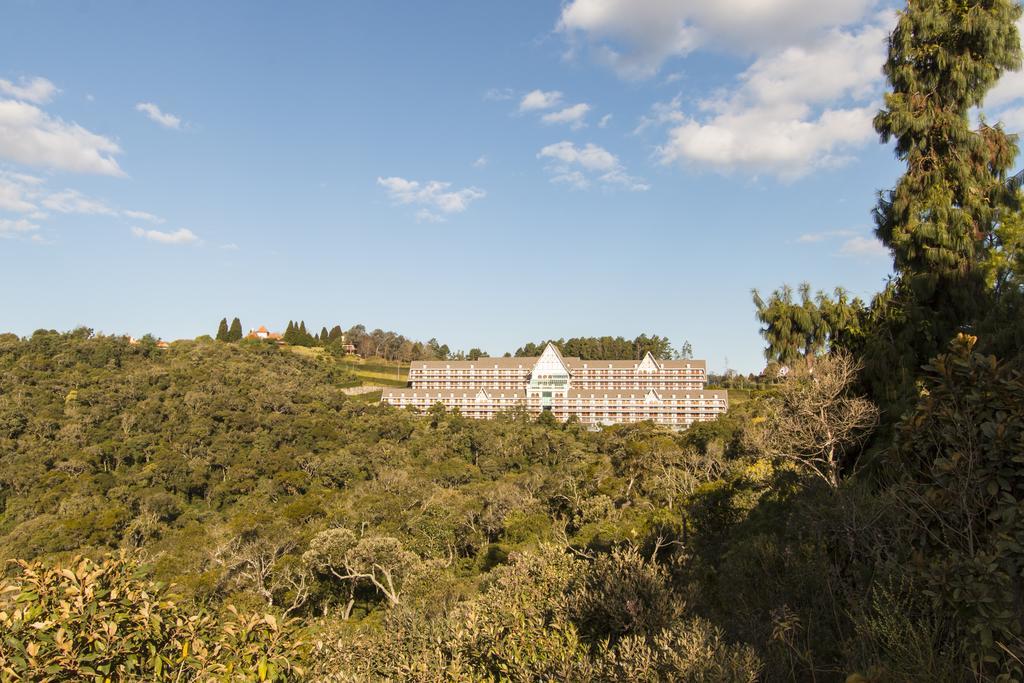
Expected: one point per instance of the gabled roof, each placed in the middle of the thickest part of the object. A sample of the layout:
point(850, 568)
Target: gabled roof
point(551, 356)
point(648, 364)
point(261, 328)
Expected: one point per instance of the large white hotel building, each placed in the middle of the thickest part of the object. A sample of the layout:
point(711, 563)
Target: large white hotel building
point(668, 392)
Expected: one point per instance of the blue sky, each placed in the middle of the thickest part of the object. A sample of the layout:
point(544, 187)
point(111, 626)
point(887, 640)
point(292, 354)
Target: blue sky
point(486, 173)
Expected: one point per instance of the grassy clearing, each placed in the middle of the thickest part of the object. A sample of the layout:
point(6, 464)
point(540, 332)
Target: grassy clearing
point(377, 371)
point(374, 371)
point(738, 396)
point(372, 397)
point(309, 351)
point(385, 376)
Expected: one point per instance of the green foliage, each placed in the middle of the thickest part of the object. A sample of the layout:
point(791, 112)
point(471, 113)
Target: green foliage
point(622, 596)
point(605, 348)
point(961, 460)
point(222, 330)
point(296, 335)
point(804, 329)
point(943, 58)
point(942, 220)
point(235, 333)
point(523, 628)
point(103, 621)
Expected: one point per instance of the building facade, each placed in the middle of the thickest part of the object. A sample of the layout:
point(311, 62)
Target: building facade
point(669, 392)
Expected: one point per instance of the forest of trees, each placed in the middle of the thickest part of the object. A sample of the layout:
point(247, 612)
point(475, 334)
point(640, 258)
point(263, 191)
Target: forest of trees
point(376, 343)
point(612, 348)
point(225, 511)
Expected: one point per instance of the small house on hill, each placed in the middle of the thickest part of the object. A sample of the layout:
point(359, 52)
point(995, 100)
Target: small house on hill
point(262, 333)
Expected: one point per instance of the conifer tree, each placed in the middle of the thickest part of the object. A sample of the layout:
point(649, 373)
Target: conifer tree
point(235, 333)
point(335, 333)
point(222, 330)
point(943, 58)
point(323, 335)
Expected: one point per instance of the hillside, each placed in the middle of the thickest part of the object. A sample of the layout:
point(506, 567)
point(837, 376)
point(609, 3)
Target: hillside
point(243, 475)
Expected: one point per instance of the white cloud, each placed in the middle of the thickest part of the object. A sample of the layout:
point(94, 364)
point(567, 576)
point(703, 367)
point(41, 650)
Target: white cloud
point(73, 201)
point(428, 216)
point(841, 64)
point(603, 123)
point(180, 236)
point(230, 246)
point(28, 135)
point(591, 157)
point(38, 90)
point(814, 237)
point(852, 244)
point(580, 166)
point(499, 94)
point(662, 113)
point(1008, 91)
point(572, 115)
point(142, 216)
point(864, 246)
point(1010, 88)
point(434, 196)
point(165, 119)
point(27, 194)
point(636, 36)
point(618, 176)
point(18, 192)
point(540, 99)
point(782, 143)
point(574, 179)
point(10, 227)
point(792, 111)
point(1012, 119)
point(481, 161)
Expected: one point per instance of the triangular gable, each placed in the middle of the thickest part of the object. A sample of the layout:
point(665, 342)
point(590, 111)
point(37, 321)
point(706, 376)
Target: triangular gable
point(648, 364)
point(550, 362)
point(652, 397)
point(482, 395)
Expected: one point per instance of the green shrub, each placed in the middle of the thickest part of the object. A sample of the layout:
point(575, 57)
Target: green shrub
point(104, 621)
point(961, 460)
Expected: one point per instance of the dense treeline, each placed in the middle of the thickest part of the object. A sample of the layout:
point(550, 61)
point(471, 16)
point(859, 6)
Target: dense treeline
point(611, 348)
point(375, 343)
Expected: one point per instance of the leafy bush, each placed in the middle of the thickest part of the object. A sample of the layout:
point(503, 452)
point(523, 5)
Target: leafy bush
point(961, 460)
point(522, 628)
point(104, 621)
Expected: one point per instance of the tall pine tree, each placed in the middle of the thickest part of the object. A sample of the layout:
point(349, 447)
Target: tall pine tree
point(235, 333)
point(222, 330)
point(944, 55)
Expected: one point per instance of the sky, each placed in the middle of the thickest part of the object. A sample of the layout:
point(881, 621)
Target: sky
point(486, 173)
